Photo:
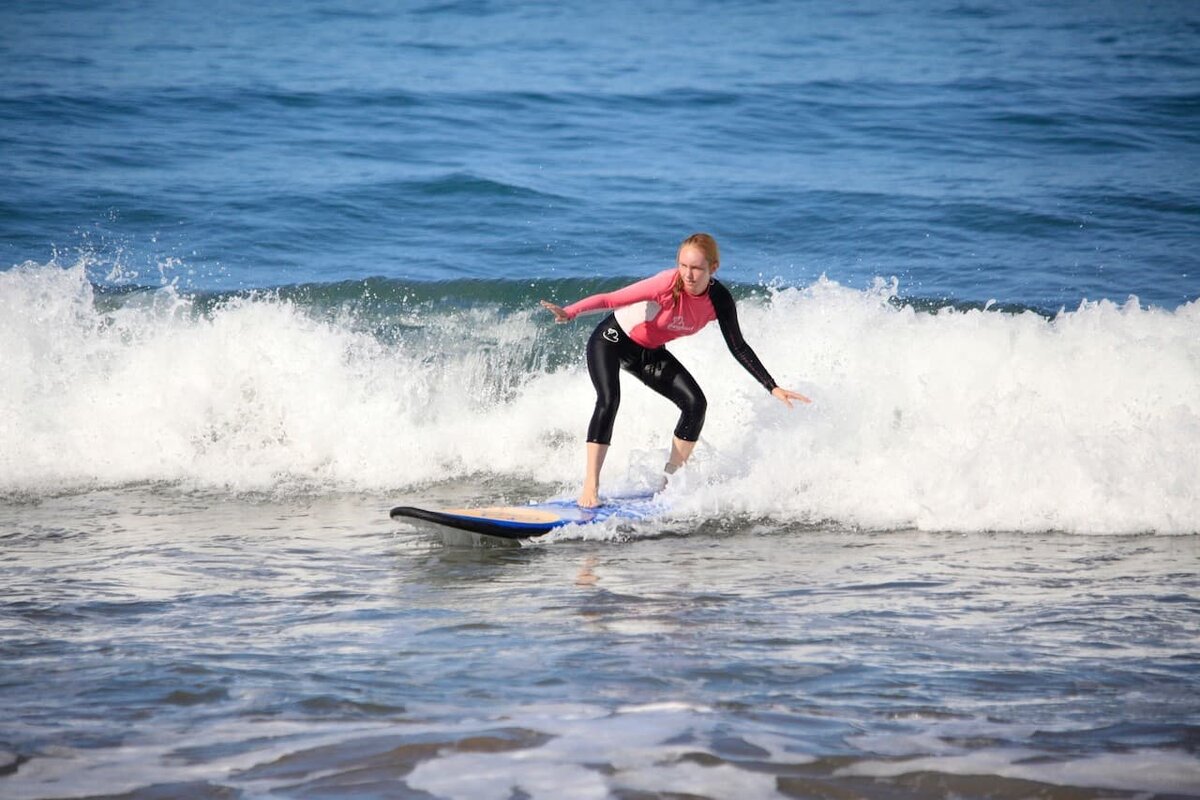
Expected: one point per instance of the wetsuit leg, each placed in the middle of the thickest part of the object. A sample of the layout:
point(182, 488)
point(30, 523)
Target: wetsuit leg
point(604, 351)
point(663, 373)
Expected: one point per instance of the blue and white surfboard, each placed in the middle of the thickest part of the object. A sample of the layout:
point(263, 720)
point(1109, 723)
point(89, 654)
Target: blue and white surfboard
point(523, 522)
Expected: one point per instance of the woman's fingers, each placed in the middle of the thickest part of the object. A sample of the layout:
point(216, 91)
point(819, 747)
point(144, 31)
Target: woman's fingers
point(786, 396)
point(559, 314)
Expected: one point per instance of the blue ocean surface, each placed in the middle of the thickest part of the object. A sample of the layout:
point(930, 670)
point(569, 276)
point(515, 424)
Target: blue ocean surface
point(269, 269)
point(977, 151)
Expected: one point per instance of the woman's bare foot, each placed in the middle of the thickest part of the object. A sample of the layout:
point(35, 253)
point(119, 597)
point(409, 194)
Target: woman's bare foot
point(589, 498)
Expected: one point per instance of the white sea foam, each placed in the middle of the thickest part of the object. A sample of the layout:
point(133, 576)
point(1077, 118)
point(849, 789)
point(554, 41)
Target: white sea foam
point(1158, 771)
point(635, 741)
point(954, 420)
point(645, 747)
point(959, 420)
point(938, 748)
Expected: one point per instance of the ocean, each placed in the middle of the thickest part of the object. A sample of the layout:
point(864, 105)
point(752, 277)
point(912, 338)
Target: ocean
point(268, 270)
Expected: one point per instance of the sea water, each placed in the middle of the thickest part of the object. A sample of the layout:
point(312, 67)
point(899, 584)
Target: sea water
point(266, 272)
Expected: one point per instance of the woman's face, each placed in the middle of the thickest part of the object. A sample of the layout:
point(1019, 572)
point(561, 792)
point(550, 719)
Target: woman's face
point(694, 270)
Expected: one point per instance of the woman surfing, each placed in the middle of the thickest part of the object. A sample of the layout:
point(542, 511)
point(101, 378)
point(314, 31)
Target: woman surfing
point(648, 314)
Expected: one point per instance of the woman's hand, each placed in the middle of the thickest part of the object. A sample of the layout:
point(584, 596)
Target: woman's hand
point(786, 396)
point(560, 316)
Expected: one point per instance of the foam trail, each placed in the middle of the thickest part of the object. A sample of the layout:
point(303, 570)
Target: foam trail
point(957, 420)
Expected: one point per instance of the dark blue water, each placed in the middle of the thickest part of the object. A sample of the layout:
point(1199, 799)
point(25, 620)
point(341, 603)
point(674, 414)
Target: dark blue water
point(975, 150)
point(267, 270)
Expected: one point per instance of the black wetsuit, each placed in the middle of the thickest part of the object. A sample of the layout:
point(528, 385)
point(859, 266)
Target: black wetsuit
point(610, 350)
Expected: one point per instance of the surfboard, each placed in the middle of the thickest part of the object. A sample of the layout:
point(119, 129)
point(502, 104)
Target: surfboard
point(535, 519)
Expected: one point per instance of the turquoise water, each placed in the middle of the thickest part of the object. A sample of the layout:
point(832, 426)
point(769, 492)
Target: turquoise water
point(267, 272)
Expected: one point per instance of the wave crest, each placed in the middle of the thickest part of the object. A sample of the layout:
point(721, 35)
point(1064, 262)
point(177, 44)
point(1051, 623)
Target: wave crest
point(951, 419)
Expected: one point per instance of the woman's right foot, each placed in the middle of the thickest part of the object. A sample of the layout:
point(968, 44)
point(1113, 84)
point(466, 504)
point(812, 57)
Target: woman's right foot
point(589, 498)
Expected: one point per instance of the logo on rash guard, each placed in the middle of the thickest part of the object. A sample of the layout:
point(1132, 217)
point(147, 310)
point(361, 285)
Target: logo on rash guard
point(679, 323)
point(611, 335)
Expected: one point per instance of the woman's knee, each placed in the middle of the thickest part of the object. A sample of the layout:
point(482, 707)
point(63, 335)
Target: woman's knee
point(604, 416)
point(607, 407)
point(693, 407)
point(690, 398)
point(689, 426)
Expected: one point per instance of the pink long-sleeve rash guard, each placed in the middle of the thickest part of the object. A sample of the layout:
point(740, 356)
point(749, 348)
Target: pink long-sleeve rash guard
point(650, 316)
point(648, 313)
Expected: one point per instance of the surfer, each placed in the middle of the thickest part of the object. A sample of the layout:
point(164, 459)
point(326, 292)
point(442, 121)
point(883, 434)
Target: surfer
point(648, 314)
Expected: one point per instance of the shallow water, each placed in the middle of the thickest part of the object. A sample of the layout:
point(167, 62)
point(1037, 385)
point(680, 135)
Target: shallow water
point(308, 649)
